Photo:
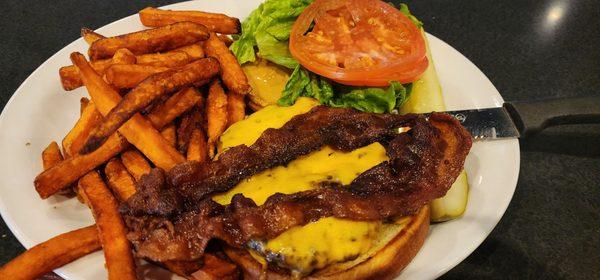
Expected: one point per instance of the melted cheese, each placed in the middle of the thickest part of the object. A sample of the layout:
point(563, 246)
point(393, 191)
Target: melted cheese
point(247, 131)
point(308, 172)
point(328, 240)
point(267, 81)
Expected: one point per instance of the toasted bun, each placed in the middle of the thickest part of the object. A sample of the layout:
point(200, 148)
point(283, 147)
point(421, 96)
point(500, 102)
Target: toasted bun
point(385, 263)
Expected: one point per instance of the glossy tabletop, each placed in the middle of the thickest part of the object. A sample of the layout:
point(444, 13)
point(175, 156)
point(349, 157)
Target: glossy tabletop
point(529, 49)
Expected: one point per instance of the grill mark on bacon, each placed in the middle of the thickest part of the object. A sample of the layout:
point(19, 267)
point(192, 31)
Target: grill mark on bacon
point(173, 219)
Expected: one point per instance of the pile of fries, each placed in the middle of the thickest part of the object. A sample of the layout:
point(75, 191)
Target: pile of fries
point(157, 98)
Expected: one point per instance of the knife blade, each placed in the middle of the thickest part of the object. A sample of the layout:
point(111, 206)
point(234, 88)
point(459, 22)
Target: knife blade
point(487, 123)
point(525, 118)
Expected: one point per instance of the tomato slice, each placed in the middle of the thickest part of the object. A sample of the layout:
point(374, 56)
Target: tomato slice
point(358, 42)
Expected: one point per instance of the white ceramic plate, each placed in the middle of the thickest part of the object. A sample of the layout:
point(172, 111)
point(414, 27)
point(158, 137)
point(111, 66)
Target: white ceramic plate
point(40, 111)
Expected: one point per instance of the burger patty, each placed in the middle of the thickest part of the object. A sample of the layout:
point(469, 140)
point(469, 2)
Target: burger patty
point(172, 217)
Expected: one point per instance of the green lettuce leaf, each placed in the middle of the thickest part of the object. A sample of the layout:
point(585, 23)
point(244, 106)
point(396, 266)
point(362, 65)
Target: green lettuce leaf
point(295, 87)
point(374, 99)
point(404, 9)
point(274, 50)
point(243, 46)
point(367, 99)
point(268, 28)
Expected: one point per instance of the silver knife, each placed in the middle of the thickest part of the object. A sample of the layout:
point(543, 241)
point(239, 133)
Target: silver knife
point(525, 118)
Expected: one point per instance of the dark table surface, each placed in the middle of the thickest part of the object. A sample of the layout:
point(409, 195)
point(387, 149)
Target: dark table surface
point(529, 49)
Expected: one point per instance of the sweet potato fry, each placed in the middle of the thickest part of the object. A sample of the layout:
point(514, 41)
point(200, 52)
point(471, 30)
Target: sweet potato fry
point(123, 76)
point(219, 23)
point(197, 149)
point(216, 114)
point(90, 36)
point(81, 197)
point(170, 134)
point(51, 155)
point(159, 101)
point(69, 75)
point(52, 254)
point(69, 170)
point(57, 178)
point(111, 228)
point(70, 138)
point(195, 51)
point(149, 41)
point(74, 140)
point(232, 74)
point(119, 180)
point(135, 163)
point(236, 108)
point(216, 268)
point(182, 268)
point(226, 40)
point(176, 105)
point(123, 56)
point(53, 180)
point(138, 130)
point(83, 103)
point(149, 90)
point(169, 59)
point(187, 124)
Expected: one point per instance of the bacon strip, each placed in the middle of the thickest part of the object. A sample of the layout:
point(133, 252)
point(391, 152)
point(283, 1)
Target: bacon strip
point(171, 218)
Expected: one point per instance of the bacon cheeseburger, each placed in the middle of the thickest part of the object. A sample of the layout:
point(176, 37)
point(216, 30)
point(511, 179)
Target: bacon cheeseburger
point(305, 190)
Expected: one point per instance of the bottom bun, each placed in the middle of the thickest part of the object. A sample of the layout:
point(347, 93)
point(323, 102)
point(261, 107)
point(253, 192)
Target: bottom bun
point(384, 262)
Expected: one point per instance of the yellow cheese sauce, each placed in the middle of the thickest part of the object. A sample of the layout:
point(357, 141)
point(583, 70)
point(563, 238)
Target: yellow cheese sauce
point(328, 240)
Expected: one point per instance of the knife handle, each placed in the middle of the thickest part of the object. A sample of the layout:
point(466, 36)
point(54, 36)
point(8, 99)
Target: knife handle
point(532, 117)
